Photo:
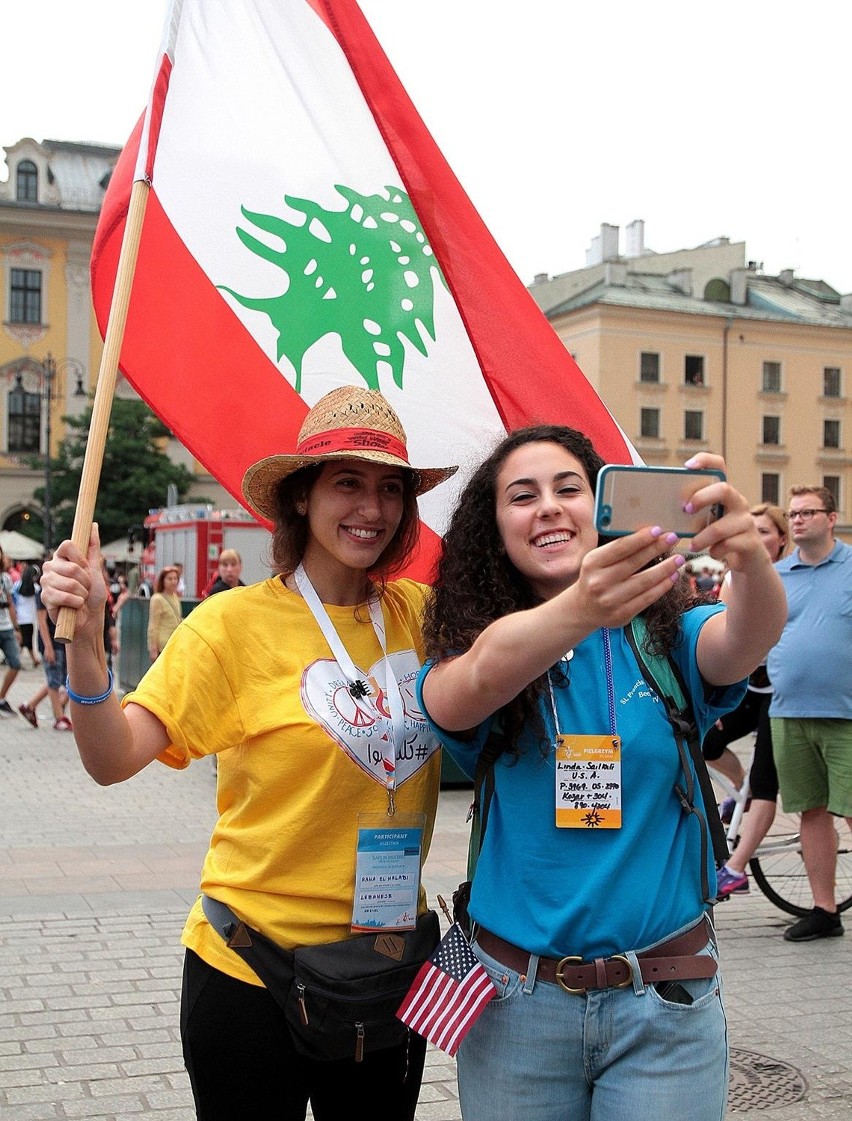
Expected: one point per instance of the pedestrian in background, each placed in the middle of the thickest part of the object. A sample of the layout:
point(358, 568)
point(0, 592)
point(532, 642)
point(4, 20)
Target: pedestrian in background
point(164, 613)
point(811, 707)
point(9, 635)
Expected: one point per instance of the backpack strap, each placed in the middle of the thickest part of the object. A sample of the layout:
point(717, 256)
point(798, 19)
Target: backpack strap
point(483, 790)
point(663, 674)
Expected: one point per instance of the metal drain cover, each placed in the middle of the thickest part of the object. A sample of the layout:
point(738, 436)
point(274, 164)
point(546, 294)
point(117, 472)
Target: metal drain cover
point(758, 1082)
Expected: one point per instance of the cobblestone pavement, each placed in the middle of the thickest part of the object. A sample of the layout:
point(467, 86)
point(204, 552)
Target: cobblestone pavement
point(94, 886)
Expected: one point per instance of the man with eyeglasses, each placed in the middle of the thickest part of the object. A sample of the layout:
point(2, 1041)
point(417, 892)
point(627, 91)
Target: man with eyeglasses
point(811, 709)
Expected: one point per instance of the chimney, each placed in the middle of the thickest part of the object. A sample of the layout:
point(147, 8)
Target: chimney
point(604, 246)
point(635, 237)
point(541, 278)
point(739, 286)
point(846, 304)
point(786, 277)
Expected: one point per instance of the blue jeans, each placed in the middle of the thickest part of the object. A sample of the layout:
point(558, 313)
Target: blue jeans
point(538, 1053)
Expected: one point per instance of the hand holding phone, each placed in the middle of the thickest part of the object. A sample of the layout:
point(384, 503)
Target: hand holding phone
point(630, 497)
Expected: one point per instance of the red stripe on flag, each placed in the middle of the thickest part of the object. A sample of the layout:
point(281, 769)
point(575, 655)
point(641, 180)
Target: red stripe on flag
point(158, 103)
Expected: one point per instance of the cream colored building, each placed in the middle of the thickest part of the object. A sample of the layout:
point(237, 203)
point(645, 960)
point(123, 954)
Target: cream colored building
point(49, 206)
point(699, 350)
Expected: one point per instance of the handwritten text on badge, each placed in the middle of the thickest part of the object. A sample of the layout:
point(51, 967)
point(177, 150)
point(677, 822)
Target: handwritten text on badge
point(588, 782)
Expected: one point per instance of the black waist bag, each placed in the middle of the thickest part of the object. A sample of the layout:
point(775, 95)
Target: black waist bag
point(340, 998)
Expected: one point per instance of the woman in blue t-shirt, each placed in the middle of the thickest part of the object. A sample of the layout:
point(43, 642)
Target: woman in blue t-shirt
point(587, 896)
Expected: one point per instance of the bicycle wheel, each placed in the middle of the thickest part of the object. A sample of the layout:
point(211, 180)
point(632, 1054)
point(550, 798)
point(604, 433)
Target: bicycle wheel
point(779, 870)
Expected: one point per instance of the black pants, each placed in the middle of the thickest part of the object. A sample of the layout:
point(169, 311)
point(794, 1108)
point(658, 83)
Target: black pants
point(752, 714)
point(242, 1063)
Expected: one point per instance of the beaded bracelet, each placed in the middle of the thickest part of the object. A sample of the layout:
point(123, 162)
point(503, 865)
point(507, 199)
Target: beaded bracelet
point(77, 699)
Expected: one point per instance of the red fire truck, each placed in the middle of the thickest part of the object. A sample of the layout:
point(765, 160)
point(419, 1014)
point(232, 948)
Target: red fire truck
point(194, 535)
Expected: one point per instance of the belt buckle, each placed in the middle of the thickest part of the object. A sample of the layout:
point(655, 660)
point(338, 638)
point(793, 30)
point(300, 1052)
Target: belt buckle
point(562, 962)
point(579, 992)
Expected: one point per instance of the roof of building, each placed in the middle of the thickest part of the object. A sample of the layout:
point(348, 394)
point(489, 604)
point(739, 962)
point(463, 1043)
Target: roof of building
point(75, 174)
point(785, 298)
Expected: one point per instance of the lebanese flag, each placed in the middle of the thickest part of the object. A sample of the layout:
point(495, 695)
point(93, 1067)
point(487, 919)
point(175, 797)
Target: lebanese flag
point(303, 231)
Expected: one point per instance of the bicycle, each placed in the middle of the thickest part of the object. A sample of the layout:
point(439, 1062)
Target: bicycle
point(777, 864)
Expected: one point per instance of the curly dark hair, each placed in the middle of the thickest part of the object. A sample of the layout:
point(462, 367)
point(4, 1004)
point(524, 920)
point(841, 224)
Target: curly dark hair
point(290, 533)
point(476, 582)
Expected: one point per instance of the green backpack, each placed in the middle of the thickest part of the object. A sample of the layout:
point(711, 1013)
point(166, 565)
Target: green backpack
point(663, 675)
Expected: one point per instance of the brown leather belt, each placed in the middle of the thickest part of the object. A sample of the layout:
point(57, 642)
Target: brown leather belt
point(675, 960)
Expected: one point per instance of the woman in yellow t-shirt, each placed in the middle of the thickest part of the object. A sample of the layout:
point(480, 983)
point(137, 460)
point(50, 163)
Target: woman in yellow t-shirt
point(164, 613)
point(303, 688)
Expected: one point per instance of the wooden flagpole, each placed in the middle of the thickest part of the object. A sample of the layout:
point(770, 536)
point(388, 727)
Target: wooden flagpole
point(105, 388)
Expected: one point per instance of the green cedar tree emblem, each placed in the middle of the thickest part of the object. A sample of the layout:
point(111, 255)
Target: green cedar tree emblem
point(363, 273)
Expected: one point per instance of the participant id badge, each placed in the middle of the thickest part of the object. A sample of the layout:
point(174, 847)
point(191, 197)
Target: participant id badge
point(588, 782)
point(387, 872)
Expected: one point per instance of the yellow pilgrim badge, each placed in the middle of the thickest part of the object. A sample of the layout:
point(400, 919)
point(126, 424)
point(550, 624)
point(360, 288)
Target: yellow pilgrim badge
point(588, 782)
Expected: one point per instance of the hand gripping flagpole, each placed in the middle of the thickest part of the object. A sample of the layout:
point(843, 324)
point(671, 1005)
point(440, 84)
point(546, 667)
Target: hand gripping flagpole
point(105, 389)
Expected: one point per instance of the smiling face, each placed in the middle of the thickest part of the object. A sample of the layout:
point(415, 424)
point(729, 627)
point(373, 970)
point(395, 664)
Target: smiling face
point(354, 509)
point(545, 515)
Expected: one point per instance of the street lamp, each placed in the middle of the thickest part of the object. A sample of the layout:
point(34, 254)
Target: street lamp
point(49, 375)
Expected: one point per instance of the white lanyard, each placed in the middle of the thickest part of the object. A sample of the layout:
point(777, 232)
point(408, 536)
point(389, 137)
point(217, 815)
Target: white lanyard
point(394, 739)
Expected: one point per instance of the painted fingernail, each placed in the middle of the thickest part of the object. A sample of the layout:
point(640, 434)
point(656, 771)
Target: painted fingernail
point(656, 531)
point(689, 508)
point(680, 561)
point(671, 538)
point(675, 576)
point(690, 462)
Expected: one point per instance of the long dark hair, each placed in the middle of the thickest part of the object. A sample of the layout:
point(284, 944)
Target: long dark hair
point(477, 583)
point(290, 533)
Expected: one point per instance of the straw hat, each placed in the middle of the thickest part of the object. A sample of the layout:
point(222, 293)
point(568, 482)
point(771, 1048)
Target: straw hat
point(347, 423)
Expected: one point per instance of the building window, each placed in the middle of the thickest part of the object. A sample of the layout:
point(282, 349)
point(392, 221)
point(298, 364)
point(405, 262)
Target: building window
point(832, 484)
point(24, 424)
point(831, 433)
point(771, 377)
point(693, 425)
point(831, 381)
point(26, 182)
point(25, 296)
point(693, 369)
point(772, 430)
point(649, 423)
point(770, 488)
point(649, 367)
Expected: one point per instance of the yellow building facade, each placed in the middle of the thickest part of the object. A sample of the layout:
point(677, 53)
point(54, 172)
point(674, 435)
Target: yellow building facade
point(700, 350)
point(50, 346)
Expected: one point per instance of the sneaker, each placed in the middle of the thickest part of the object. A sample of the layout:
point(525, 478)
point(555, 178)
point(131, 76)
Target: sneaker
point(28, 715)
point(817, 924)
point(63, 724)
point(6, 709)
point(729, 881)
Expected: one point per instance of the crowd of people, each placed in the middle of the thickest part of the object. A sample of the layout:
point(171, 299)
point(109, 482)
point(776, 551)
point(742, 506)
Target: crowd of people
point(325, 692)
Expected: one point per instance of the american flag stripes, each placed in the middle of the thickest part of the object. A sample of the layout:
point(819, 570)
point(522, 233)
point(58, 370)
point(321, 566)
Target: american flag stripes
point(448, 994)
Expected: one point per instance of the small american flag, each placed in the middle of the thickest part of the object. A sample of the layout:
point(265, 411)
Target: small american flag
point(449, 993)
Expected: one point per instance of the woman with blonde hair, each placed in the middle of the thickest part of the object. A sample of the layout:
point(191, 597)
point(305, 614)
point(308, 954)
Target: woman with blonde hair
point(164, 614)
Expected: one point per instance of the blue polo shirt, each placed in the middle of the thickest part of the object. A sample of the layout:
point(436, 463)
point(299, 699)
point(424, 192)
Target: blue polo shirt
point(556, 891)
point(811, 667)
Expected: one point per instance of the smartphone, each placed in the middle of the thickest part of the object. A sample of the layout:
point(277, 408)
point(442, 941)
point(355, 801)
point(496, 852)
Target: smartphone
point(628, 498)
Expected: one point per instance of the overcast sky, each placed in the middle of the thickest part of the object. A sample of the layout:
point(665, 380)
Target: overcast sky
point(705, 120)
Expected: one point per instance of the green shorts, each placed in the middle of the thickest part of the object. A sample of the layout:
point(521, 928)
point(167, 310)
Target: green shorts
point(814, 762)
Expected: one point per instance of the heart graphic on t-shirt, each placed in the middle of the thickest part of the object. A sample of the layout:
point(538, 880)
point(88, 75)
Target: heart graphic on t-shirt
point(361, 725)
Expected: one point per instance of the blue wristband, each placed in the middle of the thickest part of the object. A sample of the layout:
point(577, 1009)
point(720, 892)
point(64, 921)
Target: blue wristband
point(77, 699)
